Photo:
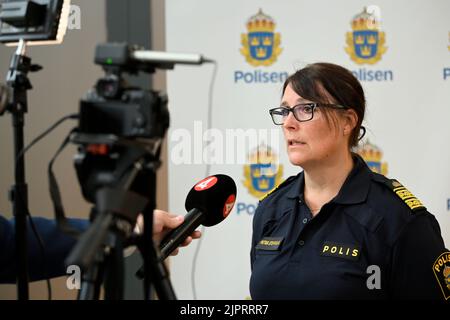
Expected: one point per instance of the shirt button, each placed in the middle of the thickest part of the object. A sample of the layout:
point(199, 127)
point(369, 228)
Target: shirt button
point(301, 243)
point(305, 221)
point(300, 201)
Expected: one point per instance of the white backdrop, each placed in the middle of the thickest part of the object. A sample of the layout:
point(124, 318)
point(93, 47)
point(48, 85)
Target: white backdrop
point(408, 111)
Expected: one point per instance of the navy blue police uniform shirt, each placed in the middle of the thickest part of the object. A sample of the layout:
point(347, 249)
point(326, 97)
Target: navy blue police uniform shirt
point(57, 246)
point(373, 234)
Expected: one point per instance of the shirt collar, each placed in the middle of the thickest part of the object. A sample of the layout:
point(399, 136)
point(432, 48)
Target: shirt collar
point(354, 190)
point(356, 187)
point(296, 190)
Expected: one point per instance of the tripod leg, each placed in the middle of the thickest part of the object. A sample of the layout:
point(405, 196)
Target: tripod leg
point(92, 280)
point(155, 272)
point(160, 277)
point(114, 271)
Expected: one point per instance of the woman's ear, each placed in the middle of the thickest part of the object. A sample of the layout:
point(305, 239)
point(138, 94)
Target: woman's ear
point(350, 121)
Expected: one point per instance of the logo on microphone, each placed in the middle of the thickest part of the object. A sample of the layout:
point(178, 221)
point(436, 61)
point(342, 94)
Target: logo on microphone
point(263, 172)
point(229, 203)
point(373, 155)
point(205, 183)
point(261, 45)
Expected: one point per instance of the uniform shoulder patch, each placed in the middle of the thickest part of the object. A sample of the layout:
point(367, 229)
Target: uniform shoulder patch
point(404, 194)
point(441, 269)
point(285, 182)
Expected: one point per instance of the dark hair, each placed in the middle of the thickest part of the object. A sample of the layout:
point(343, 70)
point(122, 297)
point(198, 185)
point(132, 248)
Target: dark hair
point(343, 87)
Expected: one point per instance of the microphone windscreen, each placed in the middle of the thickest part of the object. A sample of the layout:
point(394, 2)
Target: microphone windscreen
point(214, 196)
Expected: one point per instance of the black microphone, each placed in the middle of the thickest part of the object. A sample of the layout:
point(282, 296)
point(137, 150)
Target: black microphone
point(209, 202)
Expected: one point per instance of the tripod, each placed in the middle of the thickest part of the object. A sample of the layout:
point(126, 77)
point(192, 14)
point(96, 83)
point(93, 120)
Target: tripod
point(17, 105)
point(119, 195)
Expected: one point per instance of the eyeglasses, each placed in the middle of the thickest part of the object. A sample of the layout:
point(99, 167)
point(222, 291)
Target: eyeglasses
point(302, 112)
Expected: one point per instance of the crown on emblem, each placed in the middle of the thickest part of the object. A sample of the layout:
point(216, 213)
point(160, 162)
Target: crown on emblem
point(370, 152)
point(359, 40)
point(263, 184)
point(447, 272)
point(260, 22)
point(261, 52)
point(447, 276)
point(371, 40)
point(366, 51)
point(365, 21)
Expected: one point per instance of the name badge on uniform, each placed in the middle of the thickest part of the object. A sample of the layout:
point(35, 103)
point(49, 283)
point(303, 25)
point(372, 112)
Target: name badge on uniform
point(339, 250)
point(270, 243)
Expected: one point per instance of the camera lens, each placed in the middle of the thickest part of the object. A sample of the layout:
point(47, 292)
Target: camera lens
point(108, 88)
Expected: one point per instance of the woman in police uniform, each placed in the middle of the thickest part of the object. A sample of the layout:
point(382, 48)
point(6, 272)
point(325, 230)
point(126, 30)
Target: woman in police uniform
point(337, 230)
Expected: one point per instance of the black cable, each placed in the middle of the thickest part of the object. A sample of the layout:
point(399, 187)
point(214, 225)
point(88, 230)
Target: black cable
point(33, 227)
point(55, 194)
point(43, 134)
point(208, 172)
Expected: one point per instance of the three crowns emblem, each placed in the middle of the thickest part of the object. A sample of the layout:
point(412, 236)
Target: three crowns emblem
point(365, 44)
point(261, 45)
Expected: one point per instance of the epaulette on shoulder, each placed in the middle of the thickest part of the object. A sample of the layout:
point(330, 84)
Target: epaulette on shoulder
point(404, 194)
point(284, 183)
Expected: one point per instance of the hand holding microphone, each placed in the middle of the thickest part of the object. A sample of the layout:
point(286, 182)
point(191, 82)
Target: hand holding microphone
point(164, 222)
point(208, 203)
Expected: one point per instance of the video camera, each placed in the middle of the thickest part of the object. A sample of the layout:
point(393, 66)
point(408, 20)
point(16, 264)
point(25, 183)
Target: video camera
point(119, 123)
point(113, 107)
